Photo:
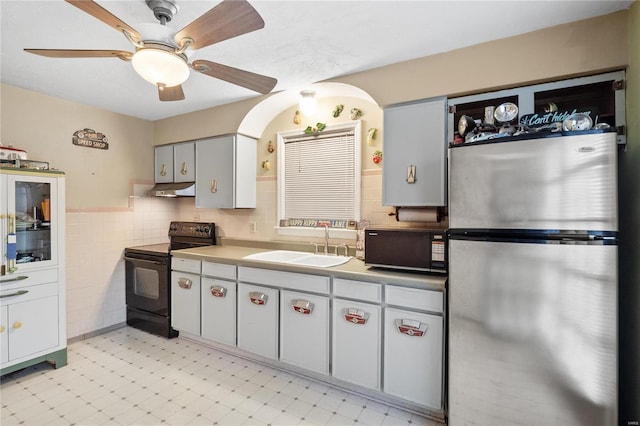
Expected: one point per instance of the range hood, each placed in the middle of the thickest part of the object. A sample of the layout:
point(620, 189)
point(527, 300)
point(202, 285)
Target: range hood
point(182, 189)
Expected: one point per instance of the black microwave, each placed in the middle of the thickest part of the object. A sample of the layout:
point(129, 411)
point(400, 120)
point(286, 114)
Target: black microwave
point(406, 248)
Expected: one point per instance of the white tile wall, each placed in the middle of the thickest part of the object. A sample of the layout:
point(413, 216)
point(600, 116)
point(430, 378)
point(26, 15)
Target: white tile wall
point(95, 270)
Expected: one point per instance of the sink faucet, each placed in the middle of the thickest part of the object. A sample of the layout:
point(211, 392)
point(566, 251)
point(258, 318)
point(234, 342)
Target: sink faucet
point(326, 240)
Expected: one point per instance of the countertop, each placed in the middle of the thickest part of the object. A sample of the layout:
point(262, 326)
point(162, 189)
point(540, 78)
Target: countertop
point(354, 269)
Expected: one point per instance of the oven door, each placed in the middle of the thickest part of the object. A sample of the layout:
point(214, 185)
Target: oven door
point(147, 282)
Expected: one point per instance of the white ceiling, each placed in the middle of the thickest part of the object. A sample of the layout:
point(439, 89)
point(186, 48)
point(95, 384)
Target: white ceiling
point(303, 42)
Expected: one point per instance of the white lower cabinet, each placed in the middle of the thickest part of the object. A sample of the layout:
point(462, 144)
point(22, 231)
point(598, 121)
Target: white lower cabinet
point(34, 326)
point(29, 320)
point(219, 310)
point(185, 302)
point(413, 356)
point(304, 330)
point(258, 320)
point(357, 343)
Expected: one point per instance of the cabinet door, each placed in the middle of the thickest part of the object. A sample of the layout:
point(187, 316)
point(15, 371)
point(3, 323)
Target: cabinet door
point(219, 310)
point(413, 357)
point(32, 326)
point(184, 162)
point(414, 167)
point(245, 173)
point(258, 320)
point(185, 302)
point(357, 347)
point(304, 330)
point(164, 164)
point(4, 335)
point(215, 173)
point(37, 202)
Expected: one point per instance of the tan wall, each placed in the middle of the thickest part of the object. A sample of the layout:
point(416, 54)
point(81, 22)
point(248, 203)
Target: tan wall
point(96, 178)
point(220, 120)
point(578, 48)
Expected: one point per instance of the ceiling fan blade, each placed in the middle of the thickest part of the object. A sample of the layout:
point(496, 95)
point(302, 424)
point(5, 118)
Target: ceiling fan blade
point(76, 53)
point(259, 83)
point(174, 93)
point(228, 19)
point(98, 12)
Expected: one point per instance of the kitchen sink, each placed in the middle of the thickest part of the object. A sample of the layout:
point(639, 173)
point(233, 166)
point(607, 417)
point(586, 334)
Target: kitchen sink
point(299, 258)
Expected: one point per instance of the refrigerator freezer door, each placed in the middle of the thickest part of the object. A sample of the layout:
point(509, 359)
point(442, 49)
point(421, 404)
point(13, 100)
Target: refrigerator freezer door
point(556, 183)
point(532, 334)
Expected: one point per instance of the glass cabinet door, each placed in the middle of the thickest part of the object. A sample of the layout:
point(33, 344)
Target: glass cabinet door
point(32, 216)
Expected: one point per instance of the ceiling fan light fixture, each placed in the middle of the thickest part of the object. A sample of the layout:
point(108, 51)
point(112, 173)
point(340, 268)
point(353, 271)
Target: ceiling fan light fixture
point(160, 67)
point(308, 102)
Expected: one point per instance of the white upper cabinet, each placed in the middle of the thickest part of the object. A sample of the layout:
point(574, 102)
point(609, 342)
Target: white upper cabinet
point(184, 162)
point(226, 172)
point(415, 154)
point(164, 164)
point(175, 163)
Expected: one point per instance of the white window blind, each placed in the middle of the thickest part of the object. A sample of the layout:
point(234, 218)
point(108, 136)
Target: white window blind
point(321, 176)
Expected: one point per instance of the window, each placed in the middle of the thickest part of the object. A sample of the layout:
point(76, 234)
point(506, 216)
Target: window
point(319, 181)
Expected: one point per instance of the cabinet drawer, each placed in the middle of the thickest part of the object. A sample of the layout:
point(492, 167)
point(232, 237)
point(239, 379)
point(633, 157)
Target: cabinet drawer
point(185, 302)
point(413, 357)
point(219, 270)
point(359, 290)
point(425, 300)
point(258, 320)
point(304, 331)
point(186, 265)
point(218, 301)
point(27, 293)
point(357, 341)
point(22, 278)
point(290, 280)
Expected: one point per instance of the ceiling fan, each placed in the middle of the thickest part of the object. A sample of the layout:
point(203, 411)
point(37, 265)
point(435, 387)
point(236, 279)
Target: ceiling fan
point(160, 56)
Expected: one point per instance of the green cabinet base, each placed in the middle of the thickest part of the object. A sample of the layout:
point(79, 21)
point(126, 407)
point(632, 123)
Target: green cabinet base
point(57, 359)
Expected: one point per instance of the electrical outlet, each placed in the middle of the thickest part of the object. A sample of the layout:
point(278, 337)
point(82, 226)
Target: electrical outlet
point(252, 227)
point(196, 217)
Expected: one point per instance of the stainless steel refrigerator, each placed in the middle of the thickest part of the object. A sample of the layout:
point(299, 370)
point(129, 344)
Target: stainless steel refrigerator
point(533, 281)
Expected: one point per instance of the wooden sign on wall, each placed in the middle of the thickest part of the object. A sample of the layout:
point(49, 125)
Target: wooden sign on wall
point(90, 138)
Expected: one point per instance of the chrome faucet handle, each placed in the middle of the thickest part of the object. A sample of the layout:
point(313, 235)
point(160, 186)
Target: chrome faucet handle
point(346, 249)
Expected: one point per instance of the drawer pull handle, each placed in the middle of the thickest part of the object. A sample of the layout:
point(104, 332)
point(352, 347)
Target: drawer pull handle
point(355, 316)
point(218, 291)
point(163, 170)
point(18, 278)
point(2, 328)
point(183, 170)
point(17, 293)
point(17, 325)
point(302, 306)
point(185, 283)
point(214, 186)
point(411, 327)
point(258, 298)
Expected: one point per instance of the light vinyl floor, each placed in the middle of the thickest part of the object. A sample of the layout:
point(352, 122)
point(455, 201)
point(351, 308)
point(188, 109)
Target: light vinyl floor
point(129, 377)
